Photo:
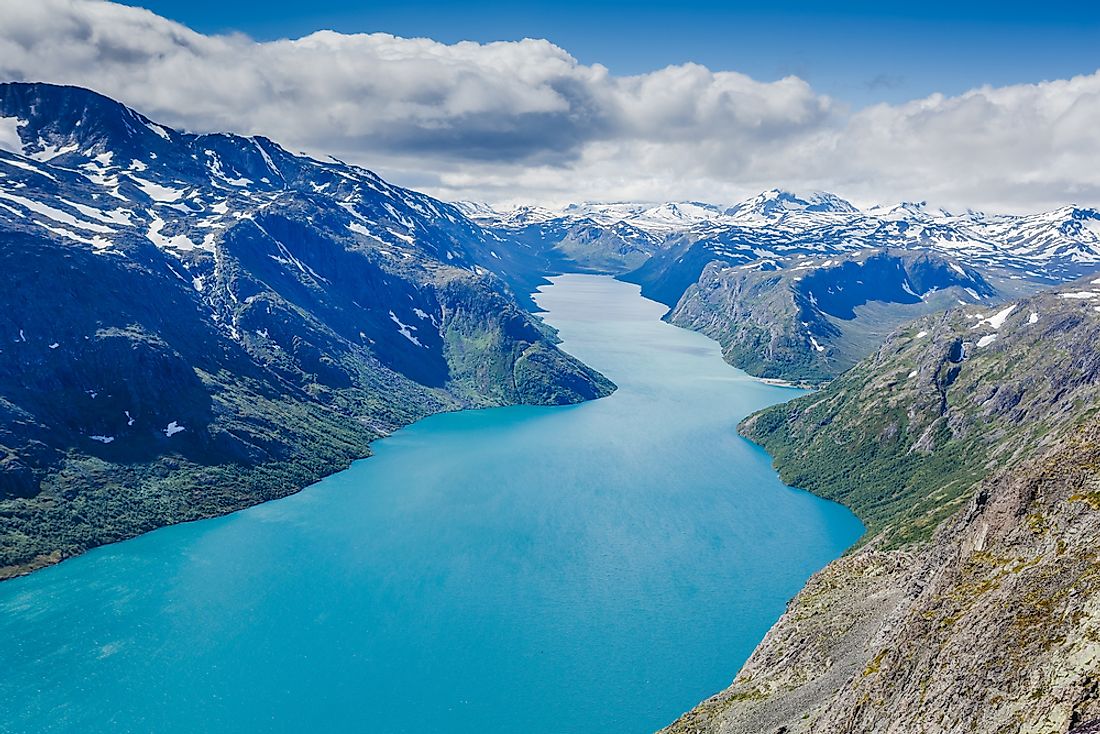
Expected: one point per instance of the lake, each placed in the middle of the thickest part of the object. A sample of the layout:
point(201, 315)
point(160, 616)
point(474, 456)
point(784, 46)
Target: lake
point(573, 570)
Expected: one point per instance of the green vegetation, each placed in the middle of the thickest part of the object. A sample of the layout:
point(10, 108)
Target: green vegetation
point(904, 436)
point(760, 352)
point(898, 493)
point(807, 320)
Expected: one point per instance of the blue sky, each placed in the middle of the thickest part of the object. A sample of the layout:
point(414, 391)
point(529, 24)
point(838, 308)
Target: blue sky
point(964, 105)
point(858, 52)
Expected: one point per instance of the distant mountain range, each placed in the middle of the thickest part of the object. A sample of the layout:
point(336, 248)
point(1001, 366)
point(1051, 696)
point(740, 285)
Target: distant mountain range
point(755, 275)
point(1057, 245)
point(193, 323)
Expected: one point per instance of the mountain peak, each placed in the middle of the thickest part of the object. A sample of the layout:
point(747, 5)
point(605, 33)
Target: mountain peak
point(776, 203)
point(477, 209)
point(919, 210)
point(47, 120)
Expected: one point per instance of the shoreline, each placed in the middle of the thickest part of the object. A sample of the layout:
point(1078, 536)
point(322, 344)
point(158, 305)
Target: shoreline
point(714, 390)
point(777, 382)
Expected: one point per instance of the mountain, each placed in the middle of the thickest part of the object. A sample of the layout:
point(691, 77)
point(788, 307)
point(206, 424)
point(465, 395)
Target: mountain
point(581, 238)
point(699, 260)
point(700, 268)
point(777, 205)
point(599, 237)
point(195, 323)
point(1039, 249)
point(666, 247)
point(968, 444)
point(808, 319)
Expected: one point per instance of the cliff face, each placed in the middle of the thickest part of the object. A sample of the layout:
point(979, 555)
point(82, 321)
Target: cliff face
point(991, 621)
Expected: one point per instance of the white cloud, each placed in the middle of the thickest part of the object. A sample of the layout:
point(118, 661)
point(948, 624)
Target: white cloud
point(524, 120)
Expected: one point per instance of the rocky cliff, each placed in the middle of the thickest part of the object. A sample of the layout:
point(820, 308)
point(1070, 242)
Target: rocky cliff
point(970, 446)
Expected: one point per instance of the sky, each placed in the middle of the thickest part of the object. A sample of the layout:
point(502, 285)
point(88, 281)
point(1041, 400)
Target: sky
point(966, 105)
point(863, 52)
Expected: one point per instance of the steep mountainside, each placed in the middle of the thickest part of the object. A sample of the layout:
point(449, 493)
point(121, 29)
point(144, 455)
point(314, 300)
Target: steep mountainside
point(808, 319)
point(970, 446)
point(195, 323)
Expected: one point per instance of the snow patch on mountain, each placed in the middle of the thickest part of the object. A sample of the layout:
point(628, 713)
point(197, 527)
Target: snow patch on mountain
point(27, 166)
point(157, 192)
point(9, 134)
point(405, 329)
point(997, 320)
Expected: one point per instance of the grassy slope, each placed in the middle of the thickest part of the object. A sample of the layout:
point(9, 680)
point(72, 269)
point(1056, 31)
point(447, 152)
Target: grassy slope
point(765, 318)
point(903, 437)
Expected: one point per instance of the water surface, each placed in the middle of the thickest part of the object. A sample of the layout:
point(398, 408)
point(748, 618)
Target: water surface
point(593, 568)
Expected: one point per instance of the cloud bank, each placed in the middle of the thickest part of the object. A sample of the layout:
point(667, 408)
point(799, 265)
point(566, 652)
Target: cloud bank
point(523, 121)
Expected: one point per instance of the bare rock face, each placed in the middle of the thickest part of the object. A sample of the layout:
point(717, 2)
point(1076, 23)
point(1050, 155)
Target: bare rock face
point(1004, 634)
point(991, 624)
point(820, 643)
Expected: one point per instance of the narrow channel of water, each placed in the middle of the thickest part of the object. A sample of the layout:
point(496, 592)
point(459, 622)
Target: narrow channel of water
point(589, 569)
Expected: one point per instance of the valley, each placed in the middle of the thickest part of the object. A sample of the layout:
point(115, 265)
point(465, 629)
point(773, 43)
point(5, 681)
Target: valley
point(589, 567)
point(195, 324)
point(799, 288)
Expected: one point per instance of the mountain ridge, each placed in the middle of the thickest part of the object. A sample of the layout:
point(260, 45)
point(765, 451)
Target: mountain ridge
point(672, 250)
point(807, 320)
point(196, 323)
point(830, 217)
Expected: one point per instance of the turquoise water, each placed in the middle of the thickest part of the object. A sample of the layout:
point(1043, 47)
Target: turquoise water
point(593, 568)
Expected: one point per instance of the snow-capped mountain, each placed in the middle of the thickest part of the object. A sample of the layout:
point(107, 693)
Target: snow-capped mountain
point(909, 210)
point(193, 323)
point(105, 176)
point(660, 219)
point(1053, 246)
point(758, 275)
point(655, 219)
point(1070, 234)
point(776, 205)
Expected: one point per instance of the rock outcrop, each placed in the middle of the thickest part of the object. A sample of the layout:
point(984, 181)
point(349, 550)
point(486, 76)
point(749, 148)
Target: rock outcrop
point(806, 319)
